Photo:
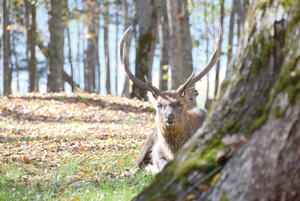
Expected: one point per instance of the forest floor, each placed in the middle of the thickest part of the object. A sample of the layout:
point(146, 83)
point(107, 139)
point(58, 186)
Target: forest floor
point(72, 146)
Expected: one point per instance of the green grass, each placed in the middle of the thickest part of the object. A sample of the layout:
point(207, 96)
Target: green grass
point(68, 181)
point(61, 152)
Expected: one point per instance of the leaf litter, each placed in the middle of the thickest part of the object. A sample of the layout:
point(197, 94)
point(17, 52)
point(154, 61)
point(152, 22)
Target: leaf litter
point(58, 142)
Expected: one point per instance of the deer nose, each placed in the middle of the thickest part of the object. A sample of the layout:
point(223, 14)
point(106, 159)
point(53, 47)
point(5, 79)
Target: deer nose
point(170, 117)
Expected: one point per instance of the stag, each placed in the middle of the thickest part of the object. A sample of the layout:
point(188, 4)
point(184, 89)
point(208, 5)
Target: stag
point(174, 124)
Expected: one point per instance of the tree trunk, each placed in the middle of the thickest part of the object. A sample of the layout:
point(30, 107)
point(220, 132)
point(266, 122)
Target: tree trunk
point(222, 3)
point(106, 48)
point(175, 44)
point(241, 11)
point(99, 72)
point(5, 47)
point(117, 41)
point(164, 37)
point(70, 59)
point(125, 91)
point(230, 35)
point(16, 59)
point(261, 100)
point(66, 77)
point(92, 48)
point(78, 48)
point(56, 47)
point(30, 35)
point(45, 52)
point(147, 21)
point(187, 59)
point(208, 100)
point(10, 63)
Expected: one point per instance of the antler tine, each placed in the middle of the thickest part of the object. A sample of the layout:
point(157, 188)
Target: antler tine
point(211, 36)
point(155, 90)
point(124, 63)
point(183, 87)
point(214, 57)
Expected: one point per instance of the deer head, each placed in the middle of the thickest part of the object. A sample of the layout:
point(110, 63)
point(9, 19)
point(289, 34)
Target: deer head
point(170, 105)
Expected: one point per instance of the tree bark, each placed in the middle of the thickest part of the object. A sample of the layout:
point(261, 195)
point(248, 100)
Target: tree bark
point(78, 50)
point(222, 9)
point(186, 40)
point(175, 44)
point(16, 60)
point(187, 59)
point(164, 37)
point(241, 11)
point(125, 91)
point(30, 35)
point(70, 59)
point(230, 35)
point(106, 47)
point(261, 100)
point(92, 49)
point(117, 41)
point(56, 47)
point(5, 47)
point(147, 21)
point(208, 100)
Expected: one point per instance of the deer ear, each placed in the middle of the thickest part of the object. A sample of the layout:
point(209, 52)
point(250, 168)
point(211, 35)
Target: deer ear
point(152, 98)
point(190, 95)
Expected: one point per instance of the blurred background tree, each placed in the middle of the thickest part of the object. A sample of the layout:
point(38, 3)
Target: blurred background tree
point(51, 46)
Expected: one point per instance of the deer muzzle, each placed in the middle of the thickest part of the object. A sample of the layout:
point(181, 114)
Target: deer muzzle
point(170, 119)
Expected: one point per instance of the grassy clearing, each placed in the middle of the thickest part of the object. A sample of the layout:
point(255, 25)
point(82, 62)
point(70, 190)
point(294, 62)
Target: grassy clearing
point(65, 147)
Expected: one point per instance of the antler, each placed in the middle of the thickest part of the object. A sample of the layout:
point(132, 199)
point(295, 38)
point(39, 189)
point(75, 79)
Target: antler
point(216, 53)
point(124, 63)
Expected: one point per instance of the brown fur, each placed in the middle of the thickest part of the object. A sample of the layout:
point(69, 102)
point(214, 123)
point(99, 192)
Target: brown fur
point(167, 139)
point(174, 125)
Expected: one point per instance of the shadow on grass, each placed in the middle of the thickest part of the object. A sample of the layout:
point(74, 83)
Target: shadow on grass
point(59, 118)
point(95, 101)
point(20, 138)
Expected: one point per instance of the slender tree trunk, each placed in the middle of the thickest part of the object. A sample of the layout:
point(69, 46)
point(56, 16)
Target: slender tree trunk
point(117, 44)
point(106, 47)
point(46, 51)
point(175, 44)
point(70, 59)
point(230, 35)
point(99, 72)
point(5, 47)
point(222, 3)
point(125, 91)
point(260, 99)
point(78, 49)
point(208, 100)
point(187, 59)
point(84, 57)
point(16, 60)
point(10, 64)
point(147, 21)
point(30, 35)
point(56, 47)
point(241, 11)
point(92, 48)
point(164, 37)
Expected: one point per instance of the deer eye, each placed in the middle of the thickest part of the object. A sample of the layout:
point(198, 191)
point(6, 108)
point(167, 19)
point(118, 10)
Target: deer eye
point(159, 106)
point(179, 105)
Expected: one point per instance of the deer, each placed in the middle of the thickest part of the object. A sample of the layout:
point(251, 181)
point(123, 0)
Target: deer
point(174, 125)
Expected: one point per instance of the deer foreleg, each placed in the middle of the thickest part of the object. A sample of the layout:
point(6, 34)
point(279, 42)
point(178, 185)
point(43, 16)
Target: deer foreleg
point(144, 157)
